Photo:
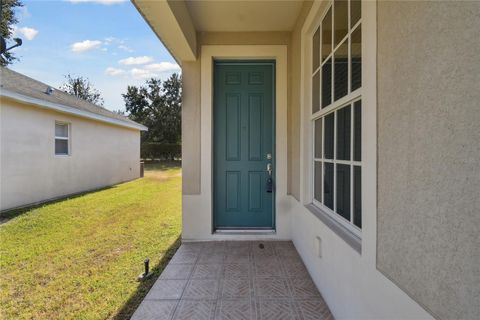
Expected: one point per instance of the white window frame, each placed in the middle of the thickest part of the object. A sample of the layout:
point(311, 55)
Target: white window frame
point(68, 139)
point(349, 99)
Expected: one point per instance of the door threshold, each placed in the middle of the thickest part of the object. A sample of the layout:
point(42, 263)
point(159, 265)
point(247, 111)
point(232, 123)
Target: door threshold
point(245, 231)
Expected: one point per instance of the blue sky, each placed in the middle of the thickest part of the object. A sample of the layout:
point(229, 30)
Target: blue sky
point(106, 41)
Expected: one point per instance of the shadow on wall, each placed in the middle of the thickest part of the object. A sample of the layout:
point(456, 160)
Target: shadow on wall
point(136, 298)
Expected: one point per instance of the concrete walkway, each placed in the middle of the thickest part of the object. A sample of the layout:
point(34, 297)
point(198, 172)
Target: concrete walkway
point(234, 280)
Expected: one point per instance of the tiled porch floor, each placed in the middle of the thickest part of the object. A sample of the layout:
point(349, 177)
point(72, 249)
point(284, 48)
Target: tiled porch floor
point(234, 280)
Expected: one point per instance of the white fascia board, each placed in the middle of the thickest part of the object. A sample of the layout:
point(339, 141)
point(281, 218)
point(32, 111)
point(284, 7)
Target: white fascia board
point(69, 110)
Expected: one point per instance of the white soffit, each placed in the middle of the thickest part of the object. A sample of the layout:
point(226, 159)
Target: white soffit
point(244, 16)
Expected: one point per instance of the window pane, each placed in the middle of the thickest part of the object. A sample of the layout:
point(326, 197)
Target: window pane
point(357, 131)
point(340, 20)
point(61, 130)
point(316, 92)
point(343, 133)
point(343, 190)
point(356, 48)
point(327, 83)
point(328, 143)
point(318, 138)
point(355, 11)
point(327, 34)
point(357, 196)
point(341, 71)
point(318, 181)
point(61, 146)
point(316, 50)
point(328, 185)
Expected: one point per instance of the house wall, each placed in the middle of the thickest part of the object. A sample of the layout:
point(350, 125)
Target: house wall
point(191, 141)
point(429, 153)
point(101, 155)
point(348, 280)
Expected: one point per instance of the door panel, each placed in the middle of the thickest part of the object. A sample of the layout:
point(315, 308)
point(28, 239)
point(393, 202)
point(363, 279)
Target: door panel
point(243, 137)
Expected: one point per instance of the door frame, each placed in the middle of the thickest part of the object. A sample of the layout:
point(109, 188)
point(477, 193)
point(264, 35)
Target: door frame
point(247, 62)
point(278, 53)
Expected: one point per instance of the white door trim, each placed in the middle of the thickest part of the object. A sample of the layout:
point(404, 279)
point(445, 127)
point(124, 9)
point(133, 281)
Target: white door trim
point(200, 207)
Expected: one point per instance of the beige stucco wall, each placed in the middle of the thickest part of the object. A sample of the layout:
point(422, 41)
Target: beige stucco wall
point(429, 153)
point(101, 155)
point(294, 93)
point(191, 142)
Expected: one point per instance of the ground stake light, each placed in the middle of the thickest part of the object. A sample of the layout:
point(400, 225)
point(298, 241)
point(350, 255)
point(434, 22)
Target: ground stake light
point(147, 273)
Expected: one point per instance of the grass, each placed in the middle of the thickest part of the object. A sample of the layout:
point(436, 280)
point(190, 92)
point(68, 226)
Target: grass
point(79, 258)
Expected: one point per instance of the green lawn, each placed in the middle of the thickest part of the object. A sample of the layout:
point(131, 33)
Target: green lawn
point(79, 258)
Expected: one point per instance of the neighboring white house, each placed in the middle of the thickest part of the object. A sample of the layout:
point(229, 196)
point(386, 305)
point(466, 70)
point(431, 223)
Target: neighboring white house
point(366, 116)
point(54, 144)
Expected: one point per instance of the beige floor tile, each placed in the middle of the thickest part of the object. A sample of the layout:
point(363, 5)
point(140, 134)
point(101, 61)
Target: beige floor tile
point(177, 272)
point(237, 270)
point(166, 289)
point(237, 288)
point(207, 271)
point(271, 288)
point(235, 310)
point(201, 289)
point(195, 310)
point(155, 310)
point(276, 310)
point(236, 281)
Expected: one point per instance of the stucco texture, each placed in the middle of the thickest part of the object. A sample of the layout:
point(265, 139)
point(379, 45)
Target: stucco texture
point(428, 239)
point(101, 155)
point(191, 142)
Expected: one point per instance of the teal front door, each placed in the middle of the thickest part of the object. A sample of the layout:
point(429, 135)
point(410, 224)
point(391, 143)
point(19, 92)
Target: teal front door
point(244, 131)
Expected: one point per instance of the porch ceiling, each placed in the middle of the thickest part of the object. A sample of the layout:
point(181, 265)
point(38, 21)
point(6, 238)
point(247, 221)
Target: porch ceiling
point(244, 16)
point(177, 22)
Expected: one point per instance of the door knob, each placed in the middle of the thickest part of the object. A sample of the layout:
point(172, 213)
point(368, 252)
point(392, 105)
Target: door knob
point(269, 169)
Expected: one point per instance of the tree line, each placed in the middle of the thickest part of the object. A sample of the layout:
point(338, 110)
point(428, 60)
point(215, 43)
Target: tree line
point(156, 104)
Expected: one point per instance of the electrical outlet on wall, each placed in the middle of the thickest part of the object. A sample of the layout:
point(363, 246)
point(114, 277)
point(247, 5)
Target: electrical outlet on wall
point(318, 246)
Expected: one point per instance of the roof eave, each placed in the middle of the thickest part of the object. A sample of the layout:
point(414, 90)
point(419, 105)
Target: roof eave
point(69, 110)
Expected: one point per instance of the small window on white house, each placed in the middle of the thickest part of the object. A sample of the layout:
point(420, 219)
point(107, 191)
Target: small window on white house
point(337, 113)
point(62, 139)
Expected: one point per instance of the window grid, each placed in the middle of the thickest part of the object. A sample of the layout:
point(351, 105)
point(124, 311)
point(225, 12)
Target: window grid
point(335, 105)
point(63, 138)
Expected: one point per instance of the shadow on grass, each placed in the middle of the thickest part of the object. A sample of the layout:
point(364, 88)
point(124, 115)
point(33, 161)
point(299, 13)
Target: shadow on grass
point(134, 301)
point(7, 215)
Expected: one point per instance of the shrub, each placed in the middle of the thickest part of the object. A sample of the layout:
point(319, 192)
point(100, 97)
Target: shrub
point(160, 151)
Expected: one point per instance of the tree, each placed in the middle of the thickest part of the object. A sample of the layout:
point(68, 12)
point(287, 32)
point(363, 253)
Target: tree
point(157, 106)
point(82, 88)
point(8, 20)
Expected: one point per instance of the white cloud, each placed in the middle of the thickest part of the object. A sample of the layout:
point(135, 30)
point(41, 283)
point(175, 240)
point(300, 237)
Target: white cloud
point(142, 73)
point(114, 71)
point(107, 2)
point(163, 67)
point(85, 45)
point(28, 33)
point(136, 60)
point(108, 40)
point(125, 48)
point(154, 70)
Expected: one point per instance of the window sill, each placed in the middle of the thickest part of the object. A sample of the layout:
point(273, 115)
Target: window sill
point(349, 237)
